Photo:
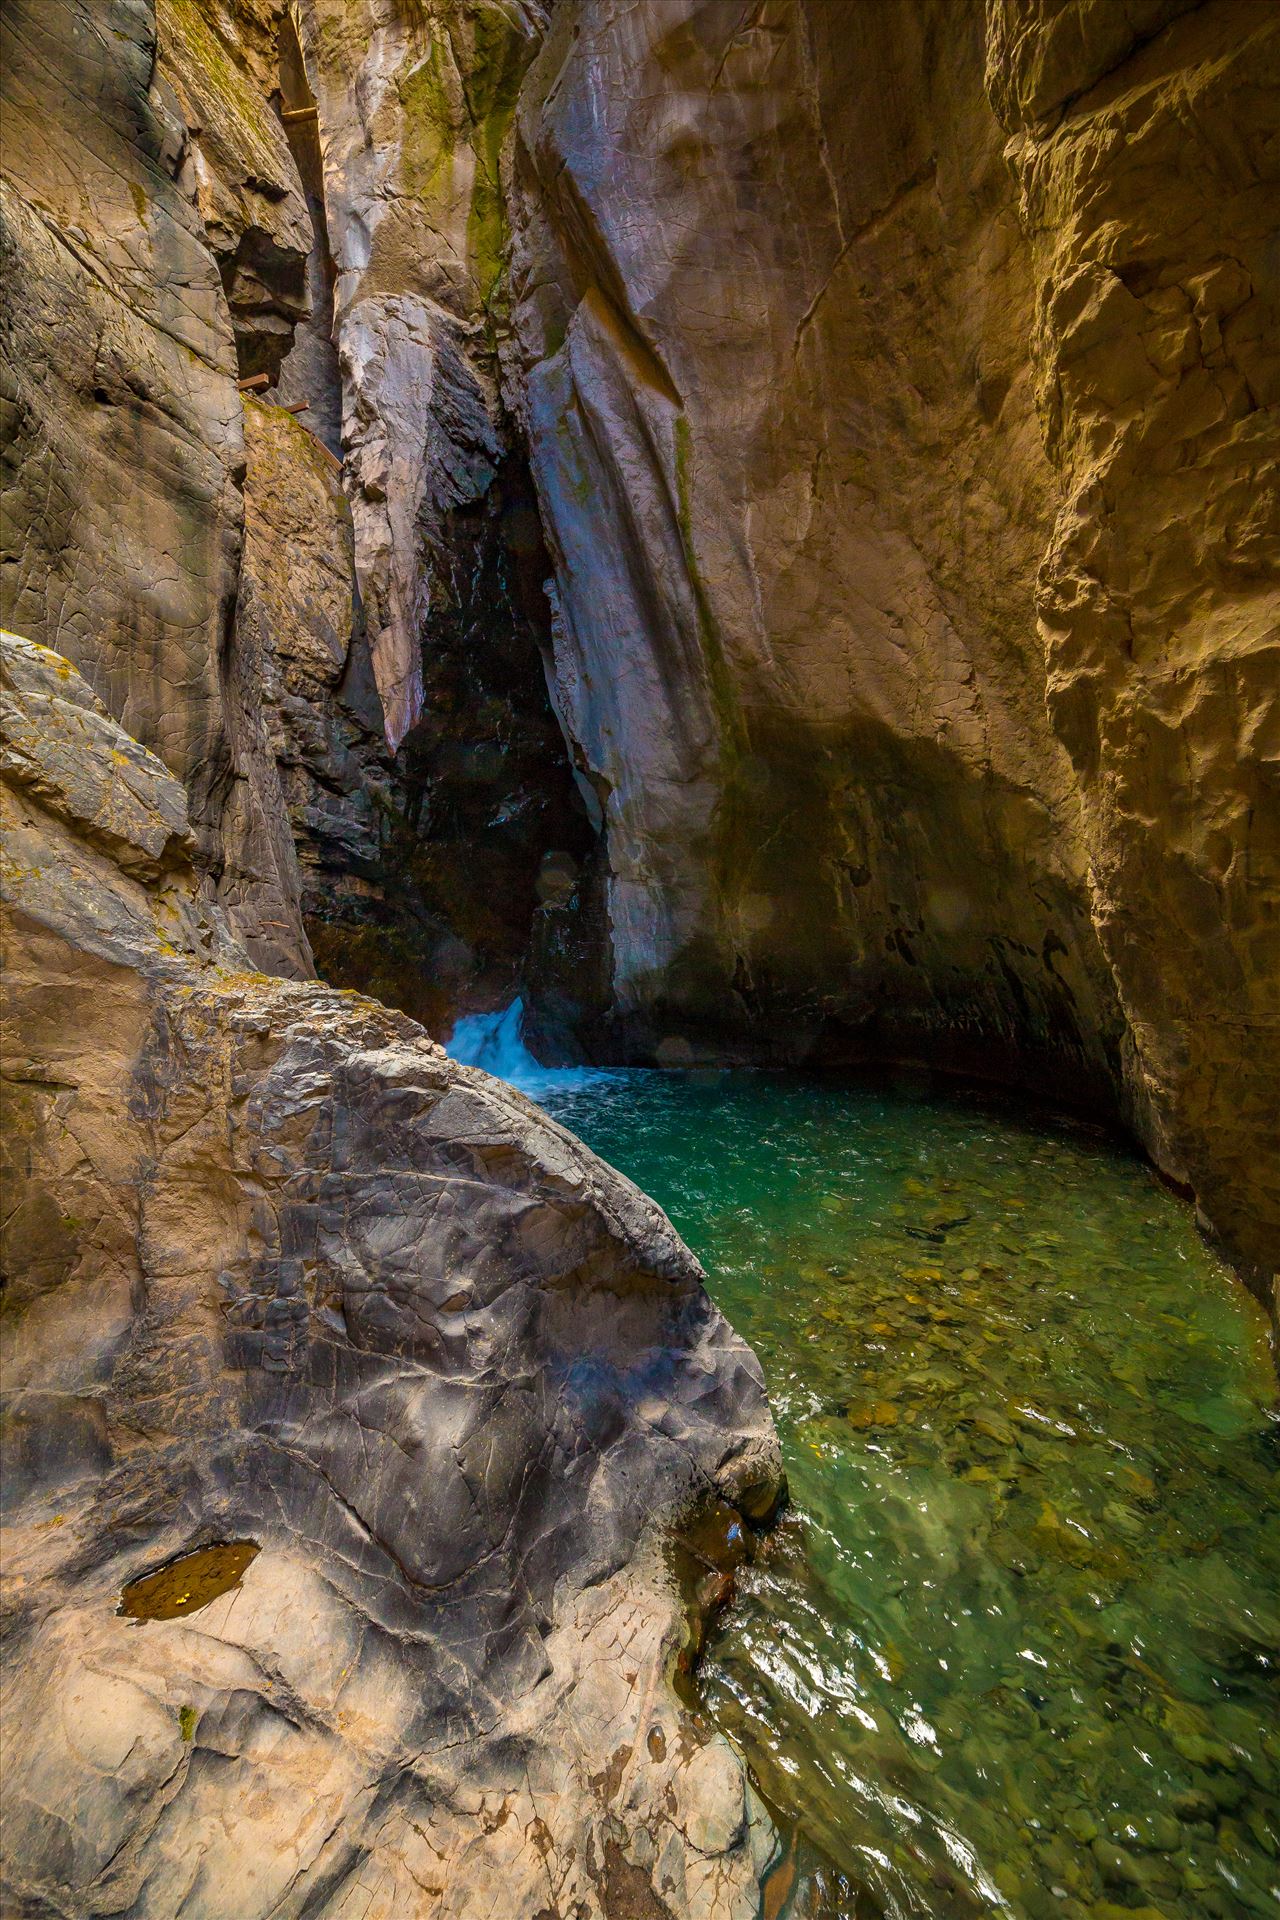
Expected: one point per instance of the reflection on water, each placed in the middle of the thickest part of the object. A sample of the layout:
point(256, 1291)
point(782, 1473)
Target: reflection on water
point(1017, 1648)
point(188, 1583)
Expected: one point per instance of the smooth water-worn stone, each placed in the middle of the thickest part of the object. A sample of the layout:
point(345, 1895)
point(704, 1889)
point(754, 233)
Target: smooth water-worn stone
point(283, 1279)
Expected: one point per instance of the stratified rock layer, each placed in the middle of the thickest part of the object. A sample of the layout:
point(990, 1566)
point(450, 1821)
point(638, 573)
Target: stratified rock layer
point(124, 443)
point(123, 431)
point(279, 1272)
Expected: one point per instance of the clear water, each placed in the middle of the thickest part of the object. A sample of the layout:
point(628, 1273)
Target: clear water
point(1016, 1649)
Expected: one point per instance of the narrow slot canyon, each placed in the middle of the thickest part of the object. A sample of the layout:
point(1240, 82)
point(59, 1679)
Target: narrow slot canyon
point(641, 886)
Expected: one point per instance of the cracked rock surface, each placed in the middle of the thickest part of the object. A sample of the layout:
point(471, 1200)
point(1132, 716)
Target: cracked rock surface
point(280, 1272)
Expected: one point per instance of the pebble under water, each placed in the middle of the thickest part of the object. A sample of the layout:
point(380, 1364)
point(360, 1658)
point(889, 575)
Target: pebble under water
point(1016, 1647)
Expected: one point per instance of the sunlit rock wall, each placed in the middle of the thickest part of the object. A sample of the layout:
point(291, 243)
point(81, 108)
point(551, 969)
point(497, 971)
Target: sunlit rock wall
point(887, 370)
point(1146, 150)
point(773, 304)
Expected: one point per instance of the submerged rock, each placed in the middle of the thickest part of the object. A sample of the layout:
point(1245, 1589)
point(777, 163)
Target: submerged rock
point(282, 1275)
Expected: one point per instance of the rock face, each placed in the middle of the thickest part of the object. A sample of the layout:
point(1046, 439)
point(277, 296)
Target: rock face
point(309, 705)
point(223, 64)
point(883, 376)
point(124, 445)
point(414, 103)
point(1148, 168)
point(117, 361)
point(280, 1273)
point(772, 305)
point(193, 550)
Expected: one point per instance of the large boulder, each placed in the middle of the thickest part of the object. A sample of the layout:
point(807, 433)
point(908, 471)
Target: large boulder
point(282, 1278)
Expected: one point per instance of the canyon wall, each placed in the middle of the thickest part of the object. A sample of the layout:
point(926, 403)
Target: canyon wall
point(901, 395)
point(870, 420)
point(255, 615)
point(772, 304)
point(1147, 160)
point(868, 416)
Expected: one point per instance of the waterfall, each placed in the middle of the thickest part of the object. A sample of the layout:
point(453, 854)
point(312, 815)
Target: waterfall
point(493, 1042)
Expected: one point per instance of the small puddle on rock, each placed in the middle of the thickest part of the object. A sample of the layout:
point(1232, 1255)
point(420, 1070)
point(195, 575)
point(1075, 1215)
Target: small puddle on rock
point(188, 1583)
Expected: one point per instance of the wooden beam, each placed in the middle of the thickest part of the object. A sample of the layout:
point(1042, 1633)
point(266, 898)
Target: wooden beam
point(254, 384)
point(291, 115)
point(298, 406)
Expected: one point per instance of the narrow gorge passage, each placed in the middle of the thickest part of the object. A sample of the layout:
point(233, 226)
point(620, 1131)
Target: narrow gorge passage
point(726, 545)
point(1015, 1646)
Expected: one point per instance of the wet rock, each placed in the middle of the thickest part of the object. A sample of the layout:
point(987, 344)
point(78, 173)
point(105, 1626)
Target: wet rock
point(1080, 1825)
point(325, 1292)
point(1117, 1867)
point(1194, 1805)
point(1153, 1832)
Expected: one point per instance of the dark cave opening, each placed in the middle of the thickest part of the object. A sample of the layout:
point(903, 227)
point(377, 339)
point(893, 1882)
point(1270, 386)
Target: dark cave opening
point(488, 857)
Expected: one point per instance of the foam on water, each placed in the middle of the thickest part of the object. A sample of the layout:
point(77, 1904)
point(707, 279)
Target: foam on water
point(494, 1042)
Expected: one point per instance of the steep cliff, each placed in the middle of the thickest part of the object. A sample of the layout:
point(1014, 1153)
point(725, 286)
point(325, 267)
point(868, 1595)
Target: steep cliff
point(270, 622)
point(124, 451)
point(1147, 158)
point(772, 304)
point(883, 376)
point(281, 1276)
point(124, 439)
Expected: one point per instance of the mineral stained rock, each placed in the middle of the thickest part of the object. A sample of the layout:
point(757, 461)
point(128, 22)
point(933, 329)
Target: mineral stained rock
point(282, 1275)
point(222, 63)
point(415, 104)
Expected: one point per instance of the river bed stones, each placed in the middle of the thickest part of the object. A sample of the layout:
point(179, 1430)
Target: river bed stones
point(1020, 1626)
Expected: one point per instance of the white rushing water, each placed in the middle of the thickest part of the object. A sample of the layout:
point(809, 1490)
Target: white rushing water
point(494, 1043)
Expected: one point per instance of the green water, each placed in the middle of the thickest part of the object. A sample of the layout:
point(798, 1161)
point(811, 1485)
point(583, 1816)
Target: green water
point(1016, 1649)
